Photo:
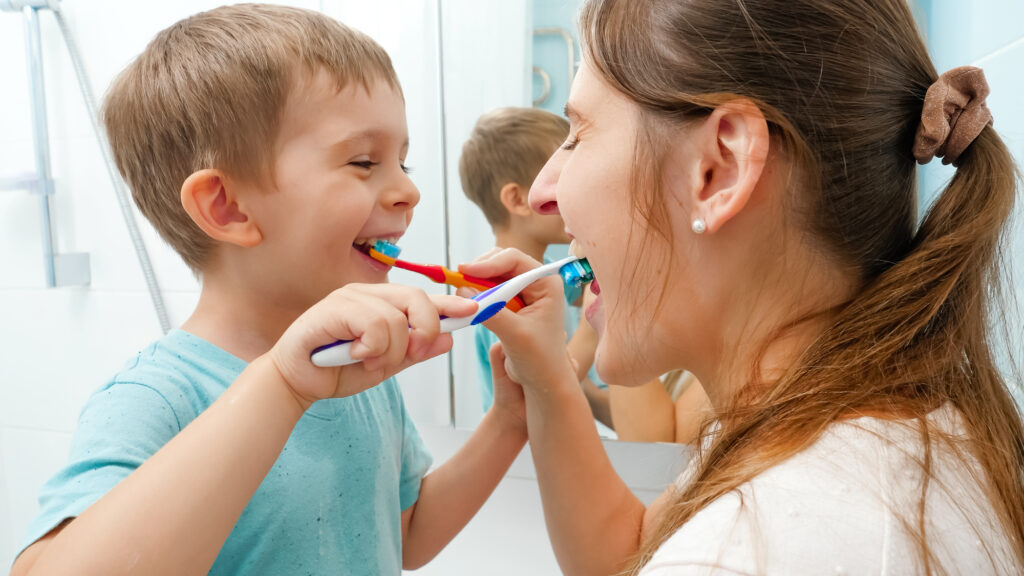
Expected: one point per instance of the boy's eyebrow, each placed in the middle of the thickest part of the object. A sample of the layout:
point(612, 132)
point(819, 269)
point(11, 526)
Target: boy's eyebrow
point(369, 134)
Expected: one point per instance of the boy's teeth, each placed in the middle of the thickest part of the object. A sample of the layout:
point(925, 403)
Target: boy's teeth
point(575, 249)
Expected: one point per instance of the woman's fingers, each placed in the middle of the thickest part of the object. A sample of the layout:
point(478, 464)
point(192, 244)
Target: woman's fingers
point(499, 263)
point(508, 262)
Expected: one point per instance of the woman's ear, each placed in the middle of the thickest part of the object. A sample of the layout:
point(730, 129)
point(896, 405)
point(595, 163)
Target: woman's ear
point(217, 209)
point(729, 150)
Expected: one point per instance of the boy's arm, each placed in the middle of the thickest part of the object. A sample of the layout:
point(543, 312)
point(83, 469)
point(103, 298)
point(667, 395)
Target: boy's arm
point(173, 514)
point(455, 491)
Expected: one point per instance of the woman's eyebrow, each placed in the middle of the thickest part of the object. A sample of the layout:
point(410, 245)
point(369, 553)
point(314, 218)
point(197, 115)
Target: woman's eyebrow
point(572, 114)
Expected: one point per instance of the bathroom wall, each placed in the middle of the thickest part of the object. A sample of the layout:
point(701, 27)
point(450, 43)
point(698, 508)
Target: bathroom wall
point(549, 51)
point(988, 34)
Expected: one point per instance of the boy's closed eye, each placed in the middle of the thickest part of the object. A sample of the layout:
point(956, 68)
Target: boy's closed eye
point(368, 164)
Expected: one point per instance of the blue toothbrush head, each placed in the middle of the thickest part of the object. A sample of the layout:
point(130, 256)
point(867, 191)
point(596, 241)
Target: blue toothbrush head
point(575, 276)
point(387, 248)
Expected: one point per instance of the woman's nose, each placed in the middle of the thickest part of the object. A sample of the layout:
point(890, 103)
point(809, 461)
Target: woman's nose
point(542, 193)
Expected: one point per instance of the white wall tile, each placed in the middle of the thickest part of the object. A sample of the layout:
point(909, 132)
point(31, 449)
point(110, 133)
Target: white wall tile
point(61, 344)
point(960, 32)
point(8, 535)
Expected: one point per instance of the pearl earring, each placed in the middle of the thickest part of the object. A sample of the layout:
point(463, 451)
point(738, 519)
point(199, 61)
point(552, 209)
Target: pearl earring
point(699, 227)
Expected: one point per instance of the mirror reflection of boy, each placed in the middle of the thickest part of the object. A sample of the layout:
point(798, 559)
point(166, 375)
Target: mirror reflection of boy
point(499, 162)
point(263, 143)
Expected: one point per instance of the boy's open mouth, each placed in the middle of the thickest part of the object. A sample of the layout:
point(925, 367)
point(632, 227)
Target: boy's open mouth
point(381, 244)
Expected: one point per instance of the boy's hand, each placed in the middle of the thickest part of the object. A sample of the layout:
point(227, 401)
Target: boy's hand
point(533, 339)
point(393, 327)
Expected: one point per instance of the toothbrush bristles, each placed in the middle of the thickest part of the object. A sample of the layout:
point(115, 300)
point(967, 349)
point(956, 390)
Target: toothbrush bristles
point(387, 248)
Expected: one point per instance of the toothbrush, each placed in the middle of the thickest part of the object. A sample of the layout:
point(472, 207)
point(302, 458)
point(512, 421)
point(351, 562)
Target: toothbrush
point(386, 252)
point(571, 268)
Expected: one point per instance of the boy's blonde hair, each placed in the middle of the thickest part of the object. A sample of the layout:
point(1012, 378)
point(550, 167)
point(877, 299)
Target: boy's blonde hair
point(208, 92)
point(508, 145)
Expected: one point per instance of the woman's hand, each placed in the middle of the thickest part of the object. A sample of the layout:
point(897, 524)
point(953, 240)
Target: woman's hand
point(509, 400)
point(533, 339)
point(393, 327)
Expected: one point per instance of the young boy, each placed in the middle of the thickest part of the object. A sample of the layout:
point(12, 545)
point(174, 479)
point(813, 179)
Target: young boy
point(264, 143)
point(499, 162)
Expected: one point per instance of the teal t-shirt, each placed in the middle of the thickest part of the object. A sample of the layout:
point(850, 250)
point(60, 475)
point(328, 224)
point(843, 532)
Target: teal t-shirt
point(484, 339)
point(331, 504)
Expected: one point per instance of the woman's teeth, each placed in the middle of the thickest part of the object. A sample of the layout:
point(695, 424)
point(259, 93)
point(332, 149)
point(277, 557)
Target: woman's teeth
point(575, 249)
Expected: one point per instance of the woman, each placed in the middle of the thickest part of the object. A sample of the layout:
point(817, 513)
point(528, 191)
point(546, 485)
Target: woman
point(741, 176)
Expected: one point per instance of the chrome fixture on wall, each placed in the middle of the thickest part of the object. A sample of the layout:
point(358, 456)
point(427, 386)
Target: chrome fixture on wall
point(69, 269)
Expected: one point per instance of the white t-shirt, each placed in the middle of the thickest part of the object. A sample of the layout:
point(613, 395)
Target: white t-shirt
point(840, 508)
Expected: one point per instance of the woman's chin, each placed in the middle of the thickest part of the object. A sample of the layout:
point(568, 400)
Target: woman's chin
point(609, 367)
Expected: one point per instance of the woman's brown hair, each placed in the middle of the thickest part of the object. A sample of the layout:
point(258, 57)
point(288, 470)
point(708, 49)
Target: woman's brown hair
point(841, 85)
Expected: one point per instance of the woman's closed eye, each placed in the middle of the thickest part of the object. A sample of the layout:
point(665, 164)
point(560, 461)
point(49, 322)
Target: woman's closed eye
point(571, 143)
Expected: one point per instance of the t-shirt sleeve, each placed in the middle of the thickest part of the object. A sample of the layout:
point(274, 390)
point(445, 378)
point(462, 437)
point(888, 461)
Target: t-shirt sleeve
point(416, 461)
point(120, 427)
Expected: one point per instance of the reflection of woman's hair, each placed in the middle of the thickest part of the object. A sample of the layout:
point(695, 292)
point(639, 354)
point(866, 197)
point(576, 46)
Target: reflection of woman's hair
point(841, 85)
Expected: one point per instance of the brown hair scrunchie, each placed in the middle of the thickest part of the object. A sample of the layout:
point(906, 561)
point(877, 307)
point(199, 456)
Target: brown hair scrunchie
point(953, 115)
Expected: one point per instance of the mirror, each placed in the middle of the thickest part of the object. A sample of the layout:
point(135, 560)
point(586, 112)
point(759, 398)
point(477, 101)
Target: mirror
point(521, 53)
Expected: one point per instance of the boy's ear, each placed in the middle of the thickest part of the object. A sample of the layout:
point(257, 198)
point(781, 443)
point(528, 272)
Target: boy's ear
point(216, 208)
point(731, 149)
point(515, 199)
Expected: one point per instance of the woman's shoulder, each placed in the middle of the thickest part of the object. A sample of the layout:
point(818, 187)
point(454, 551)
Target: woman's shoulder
point(844, 505)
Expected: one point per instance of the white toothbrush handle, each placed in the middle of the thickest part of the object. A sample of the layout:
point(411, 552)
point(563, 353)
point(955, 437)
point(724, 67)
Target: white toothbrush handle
point(337, 354)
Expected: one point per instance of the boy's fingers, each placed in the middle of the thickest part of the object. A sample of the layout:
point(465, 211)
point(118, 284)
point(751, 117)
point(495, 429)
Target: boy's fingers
point(395, 322)
point(374, 327)
point(436, 347)
point(412, 318)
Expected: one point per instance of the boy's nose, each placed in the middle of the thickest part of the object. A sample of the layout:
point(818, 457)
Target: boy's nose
point(403, 194)
point(542, 192)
